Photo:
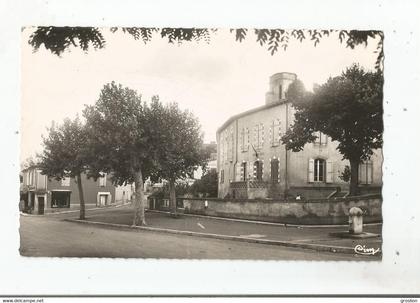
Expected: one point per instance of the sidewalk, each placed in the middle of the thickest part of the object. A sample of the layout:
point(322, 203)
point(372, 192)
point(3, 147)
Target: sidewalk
point(318, 238)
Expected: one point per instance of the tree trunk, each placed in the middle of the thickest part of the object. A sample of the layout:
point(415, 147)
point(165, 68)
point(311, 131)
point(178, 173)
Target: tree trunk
point(81, 196)
point(172, 196)
point(139, 217)
point(354, 177)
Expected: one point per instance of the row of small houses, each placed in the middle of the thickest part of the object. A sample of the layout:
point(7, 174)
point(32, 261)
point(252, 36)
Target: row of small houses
point(40, 194)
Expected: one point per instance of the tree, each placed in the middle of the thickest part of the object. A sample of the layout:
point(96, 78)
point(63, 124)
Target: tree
point(178, 144)
point(28, 162)
point(346, 174)
point(347, 108)
point(58, 39)
point(120, 141)
point(207, 185)
point(65, 154)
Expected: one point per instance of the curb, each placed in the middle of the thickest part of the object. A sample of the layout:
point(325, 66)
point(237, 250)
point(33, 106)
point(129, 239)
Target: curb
point(78, 210)
point(259, 222)
point(316, 247)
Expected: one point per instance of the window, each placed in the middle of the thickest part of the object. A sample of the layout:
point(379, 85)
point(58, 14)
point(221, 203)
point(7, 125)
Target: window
point(320, 170)
point(258, 170)
point(102, 180)
point(259, 136)
point(65, 181)
point(275, 133)
point(230, 145)
point(243, 171)
point(365, 172)
point(225, 146)
point(244, 139)
point(275, 170)
point(316, 170)
point(221, 148)
point(30, 177)
point(222, 176)
point(60, 199)
point(321, 139)
point(280, 92)
point(41, 180)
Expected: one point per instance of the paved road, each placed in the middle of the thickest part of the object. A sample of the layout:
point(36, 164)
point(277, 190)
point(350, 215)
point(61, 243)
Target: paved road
point(50, 236)
point(300, 234)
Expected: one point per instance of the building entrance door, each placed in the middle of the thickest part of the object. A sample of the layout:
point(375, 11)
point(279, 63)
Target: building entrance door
point(103, 200)
point(41, 205)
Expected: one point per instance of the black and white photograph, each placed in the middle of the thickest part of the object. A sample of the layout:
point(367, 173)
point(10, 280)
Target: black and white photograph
point(218, 143)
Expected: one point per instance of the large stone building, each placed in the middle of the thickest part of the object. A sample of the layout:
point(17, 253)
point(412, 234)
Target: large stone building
point(253, 163)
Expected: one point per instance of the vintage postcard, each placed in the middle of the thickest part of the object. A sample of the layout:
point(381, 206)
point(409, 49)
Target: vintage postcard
point(209, 148)
point(246, 143)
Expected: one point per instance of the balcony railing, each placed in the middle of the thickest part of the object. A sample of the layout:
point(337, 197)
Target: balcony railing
point(249, 184)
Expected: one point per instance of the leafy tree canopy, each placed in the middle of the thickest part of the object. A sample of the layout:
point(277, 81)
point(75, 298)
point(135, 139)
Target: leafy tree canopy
point(28, 162)
point(348, 108)
point(178, 148)
point(58, 39)
point(64, 153)
point(178, 144)
point(119, 141)
point(207, 185)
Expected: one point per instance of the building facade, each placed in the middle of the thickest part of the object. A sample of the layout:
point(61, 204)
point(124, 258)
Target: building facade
point(253, 163)
point(41, 194)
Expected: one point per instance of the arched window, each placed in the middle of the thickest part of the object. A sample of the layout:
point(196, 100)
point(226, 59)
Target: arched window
point(275, 170)
point(319, 170)
point(258, 170)
point(243, 171)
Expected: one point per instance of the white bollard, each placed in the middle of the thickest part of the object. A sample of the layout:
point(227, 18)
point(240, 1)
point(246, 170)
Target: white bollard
point(355, 221)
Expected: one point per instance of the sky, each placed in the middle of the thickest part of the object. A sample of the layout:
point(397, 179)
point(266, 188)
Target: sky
point(214, 80)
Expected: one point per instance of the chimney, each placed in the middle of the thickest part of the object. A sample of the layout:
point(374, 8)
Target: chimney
point(278, 86)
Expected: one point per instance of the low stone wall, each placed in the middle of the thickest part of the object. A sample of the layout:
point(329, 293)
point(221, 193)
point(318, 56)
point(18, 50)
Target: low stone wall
point(320, 211)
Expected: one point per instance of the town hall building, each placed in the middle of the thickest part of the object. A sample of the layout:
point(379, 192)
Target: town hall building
point(253, 163)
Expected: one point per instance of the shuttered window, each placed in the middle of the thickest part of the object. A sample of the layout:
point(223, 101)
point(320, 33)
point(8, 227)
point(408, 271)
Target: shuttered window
point(221, 148)
point(230, 144)
point(330, 172)
point(311, 170)
point(259, 136)
point(320, 171)
point(244, 139)
point(258, 170)
point(242, 171)
point(102, 180)
point(321, 139)
point(366, 173)
point(41, 181)
point(275, 133)
point(275, 170)
point(225, 145)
